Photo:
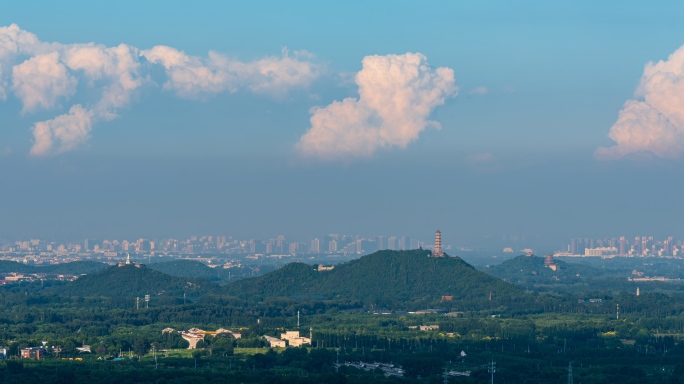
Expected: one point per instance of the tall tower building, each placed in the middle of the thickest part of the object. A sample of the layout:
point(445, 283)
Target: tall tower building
point(315, 246)
point(437, 251)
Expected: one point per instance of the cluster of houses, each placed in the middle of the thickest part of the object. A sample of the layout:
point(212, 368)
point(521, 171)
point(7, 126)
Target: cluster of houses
point(14, 277)
point(389, 370)
point(38, 353)
point(425, 328)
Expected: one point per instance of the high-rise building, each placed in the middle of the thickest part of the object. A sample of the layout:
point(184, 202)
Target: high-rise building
point(402, 243)
point(332, 246)
point(381, 243)
point(623, 245)
point(437, 250)
point(392, 243)
point(315, 246)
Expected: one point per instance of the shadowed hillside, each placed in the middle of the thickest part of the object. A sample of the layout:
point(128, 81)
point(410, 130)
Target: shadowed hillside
point(385, 278)
point(131, 281)
point(187, 268)
point(531, 269)
point(73, 268)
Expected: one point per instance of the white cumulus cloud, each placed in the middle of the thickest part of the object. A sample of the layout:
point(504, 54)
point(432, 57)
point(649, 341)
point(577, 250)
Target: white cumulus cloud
point(192, 76)
point(45, 75)
point(63, 133)
point(41, 80)
point(654, 121)
point(397, 94)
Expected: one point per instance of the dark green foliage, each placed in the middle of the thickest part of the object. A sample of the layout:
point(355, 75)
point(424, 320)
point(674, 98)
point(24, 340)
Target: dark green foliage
point(395, 279)
point(187, 268)
point(133, 281)
point(531, 270)
point(73, 268)
point(7, 266)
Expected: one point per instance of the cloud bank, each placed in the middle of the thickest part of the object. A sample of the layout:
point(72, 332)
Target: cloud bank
point(654, 121)
point(397, 94)
point(46, 75)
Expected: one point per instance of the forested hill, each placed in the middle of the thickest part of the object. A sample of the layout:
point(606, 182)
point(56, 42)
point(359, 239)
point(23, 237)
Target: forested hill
point(7, 266)
point(131, 281)
point(187, 268)
point(385, 278)
point(531, 270)
point(73, 268)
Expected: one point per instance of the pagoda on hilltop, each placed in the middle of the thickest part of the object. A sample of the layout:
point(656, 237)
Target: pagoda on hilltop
point(129, 262)
point(437, 251)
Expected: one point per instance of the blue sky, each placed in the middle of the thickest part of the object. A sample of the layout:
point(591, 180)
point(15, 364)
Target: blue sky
point(540, 86)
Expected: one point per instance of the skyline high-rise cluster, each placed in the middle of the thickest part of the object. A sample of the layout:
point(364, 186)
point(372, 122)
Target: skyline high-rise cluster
point(332, 243)
point(622, 246)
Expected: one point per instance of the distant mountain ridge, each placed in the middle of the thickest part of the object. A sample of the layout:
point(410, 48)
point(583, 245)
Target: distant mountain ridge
point(392, 278)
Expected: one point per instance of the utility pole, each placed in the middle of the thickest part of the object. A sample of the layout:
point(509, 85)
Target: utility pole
point(492, 369)
point(570, 373)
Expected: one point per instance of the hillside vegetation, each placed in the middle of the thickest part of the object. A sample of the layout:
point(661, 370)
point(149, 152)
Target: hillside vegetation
point(73, 268)
point(131, 281)
point(187, 268)
point(396, 279)
point(531, 270)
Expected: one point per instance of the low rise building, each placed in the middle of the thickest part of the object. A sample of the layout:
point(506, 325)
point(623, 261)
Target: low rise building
point(293, 339)
point(32, 353)
point(275, 342)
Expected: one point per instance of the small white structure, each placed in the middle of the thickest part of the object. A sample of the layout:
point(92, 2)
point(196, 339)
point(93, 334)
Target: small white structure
point(429, 327)
point(275, 342)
